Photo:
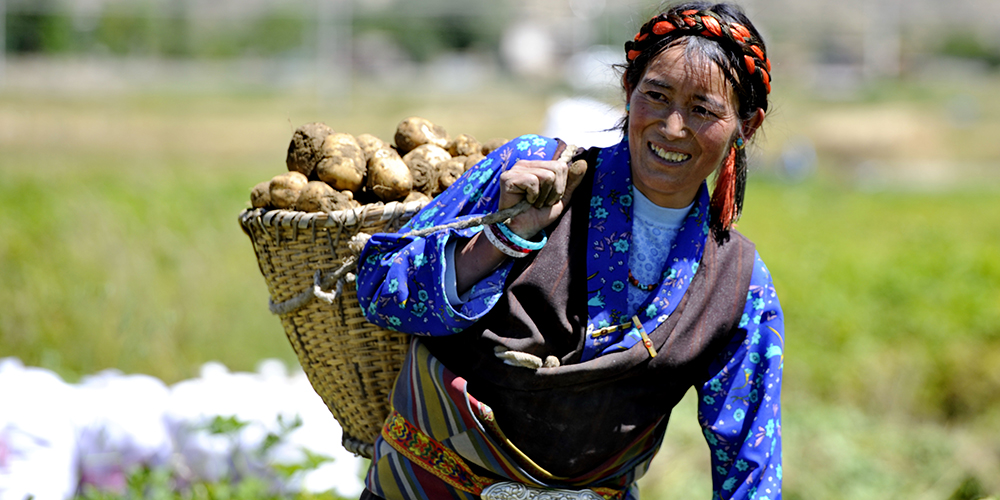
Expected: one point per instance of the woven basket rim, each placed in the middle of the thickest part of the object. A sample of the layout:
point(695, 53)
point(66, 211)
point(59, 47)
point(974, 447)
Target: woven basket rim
point(362, 215)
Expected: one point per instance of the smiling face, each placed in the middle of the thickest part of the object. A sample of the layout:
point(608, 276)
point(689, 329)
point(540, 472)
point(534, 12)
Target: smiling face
point(682, 123)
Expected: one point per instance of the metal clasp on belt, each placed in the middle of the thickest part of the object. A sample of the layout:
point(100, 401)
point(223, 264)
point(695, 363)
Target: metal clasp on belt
point(518, 491)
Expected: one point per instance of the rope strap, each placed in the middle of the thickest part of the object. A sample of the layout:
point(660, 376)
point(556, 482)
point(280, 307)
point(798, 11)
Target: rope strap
point(343, 273)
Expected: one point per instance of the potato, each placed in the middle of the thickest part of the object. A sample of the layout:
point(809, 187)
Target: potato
point(284, 188)
point(415, 131)
point(450, 171)
point(463, 145)
point(318, 196)
point(417, 196)
point(492, 144)
point(260, 195)
point(304, 151)
point(370, 144)
point(472, 160)
point(388, 176)
point(311, 196)
point(343, 164)
point(423, 162)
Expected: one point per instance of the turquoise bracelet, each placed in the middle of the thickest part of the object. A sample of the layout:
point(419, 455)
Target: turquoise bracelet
point(521, 242)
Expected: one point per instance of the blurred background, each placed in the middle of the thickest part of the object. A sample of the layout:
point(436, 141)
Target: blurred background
point(131, 132)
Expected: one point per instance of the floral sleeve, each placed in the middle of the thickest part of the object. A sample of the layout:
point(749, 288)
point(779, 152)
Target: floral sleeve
point(400, 279)
point(739, 407)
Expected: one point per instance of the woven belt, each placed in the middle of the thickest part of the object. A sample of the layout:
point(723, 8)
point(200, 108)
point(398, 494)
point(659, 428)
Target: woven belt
point(450, 467)
point(516, 491)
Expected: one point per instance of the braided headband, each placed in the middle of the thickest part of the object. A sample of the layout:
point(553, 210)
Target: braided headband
point(706, 24)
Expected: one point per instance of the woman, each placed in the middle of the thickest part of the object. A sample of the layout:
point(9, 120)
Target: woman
point(551, 350)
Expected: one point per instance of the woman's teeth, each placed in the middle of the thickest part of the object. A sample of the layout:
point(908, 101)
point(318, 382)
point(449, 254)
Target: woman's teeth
point(668, 155)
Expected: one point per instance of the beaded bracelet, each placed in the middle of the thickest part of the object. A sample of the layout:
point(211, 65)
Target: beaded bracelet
point(499, 241)
point(519, 241)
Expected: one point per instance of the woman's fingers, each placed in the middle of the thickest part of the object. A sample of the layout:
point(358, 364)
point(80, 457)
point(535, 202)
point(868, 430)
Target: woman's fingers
point(541, 182)
point(574, 175)
point(557, 186)
point(546, 185)
point(517, 185)
point(544, 182)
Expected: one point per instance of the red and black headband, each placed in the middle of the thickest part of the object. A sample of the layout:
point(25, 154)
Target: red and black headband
point(709, 25)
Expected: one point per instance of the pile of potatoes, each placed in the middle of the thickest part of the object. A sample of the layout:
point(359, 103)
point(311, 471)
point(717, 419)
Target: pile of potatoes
point(330, 170)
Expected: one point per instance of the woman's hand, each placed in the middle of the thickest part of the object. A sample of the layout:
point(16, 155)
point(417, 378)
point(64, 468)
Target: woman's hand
point(546, 185)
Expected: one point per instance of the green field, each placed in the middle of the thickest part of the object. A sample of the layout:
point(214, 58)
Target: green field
point(119, 247)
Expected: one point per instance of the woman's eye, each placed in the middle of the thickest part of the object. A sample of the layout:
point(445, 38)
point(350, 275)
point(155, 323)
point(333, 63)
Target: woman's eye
point(656, 96)
point(701, 110)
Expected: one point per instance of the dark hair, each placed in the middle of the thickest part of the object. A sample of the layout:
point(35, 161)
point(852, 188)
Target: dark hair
point(726, 36)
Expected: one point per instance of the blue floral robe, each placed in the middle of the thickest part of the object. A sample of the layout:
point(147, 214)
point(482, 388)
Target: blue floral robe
point(401, 285)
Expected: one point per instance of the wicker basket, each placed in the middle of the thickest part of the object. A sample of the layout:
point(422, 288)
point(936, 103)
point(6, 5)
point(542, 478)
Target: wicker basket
point(352, 364)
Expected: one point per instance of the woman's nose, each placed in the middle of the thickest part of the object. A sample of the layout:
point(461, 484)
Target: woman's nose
point(674, 125)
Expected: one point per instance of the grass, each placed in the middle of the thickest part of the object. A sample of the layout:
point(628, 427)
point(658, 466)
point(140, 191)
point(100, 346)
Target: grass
point(836, 451)
point(119, 247)
point(898, 284)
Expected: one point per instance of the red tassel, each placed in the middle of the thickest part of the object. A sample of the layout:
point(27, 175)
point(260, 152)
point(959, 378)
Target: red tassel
point(724, 197)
